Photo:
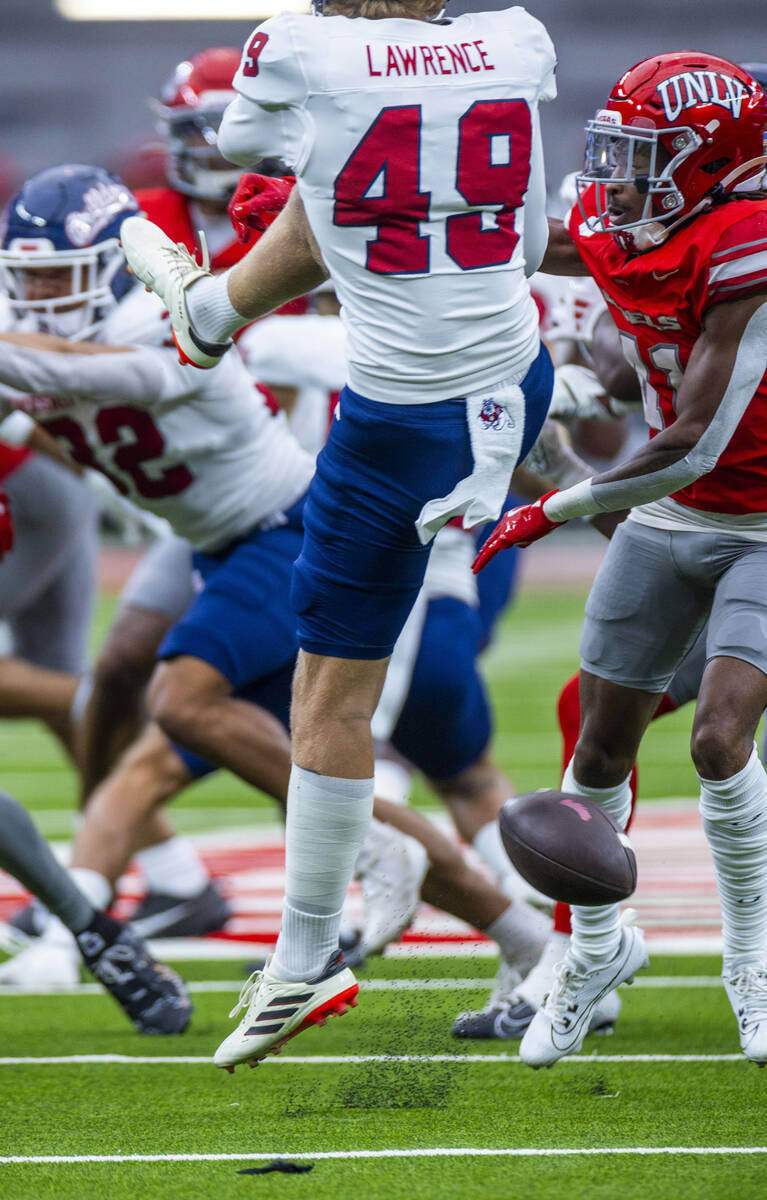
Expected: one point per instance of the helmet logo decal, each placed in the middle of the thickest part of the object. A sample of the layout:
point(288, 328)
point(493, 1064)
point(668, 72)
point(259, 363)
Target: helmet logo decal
point(101, 204)
point(701, 87)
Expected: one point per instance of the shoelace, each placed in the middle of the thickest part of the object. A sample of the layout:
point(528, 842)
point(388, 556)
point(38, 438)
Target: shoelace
point(246, 993)
point(751, 985)
point(567, 978)
point(180, 251)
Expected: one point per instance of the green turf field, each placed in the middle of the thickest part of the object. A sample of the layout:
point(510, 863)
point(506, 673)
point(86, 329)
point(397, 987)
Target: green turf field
point(632, 1119)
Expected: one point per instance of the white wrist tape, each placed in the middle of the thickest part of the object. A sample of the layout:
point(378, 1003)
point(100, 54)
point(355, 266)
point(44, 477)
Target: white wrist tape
point(577, 501)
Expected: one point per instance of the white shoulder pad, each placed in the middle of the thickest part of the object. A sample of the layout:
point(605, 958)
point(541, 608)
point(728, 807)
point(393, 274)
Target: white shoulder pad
point(271, 71)
point(139, 319)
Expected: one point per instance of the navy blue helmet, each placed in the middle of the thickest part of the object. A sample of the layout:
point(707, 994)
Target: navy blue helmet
point(66, 218)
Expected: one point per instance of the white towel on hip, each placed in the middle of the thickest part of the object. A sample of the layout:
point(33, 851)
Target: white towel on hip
point(496, 420)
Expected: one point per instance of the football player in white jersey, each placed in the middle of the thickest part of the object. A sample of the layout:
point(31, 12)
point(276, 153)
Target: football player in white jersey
point(420, 190)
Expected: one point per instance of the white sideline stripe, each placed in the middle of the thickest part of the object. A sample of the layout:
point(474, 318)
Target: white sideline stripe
point(366, 985)
point(419, 1152)
point(323, 1060)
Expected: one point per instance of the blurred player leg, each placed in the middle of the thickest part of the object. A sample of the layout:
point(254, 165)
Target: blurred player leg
point(153, 997)
point(158, 592)
point(47, 585)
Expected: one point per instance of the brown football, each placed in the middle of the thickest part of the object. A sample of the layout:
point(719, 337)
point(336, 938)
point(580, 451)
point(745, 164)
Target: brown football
point(568, 847)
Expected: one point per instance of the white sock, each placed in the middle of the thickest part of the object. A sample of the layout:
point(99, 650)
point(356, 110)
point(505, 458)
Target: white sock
point(521, 932)
point(734, 815)
point(596, 935)
point(211, 311)
point(96, 888)
point(392, 781)
point(97, 891)
point(326, 823)
point(174, 868)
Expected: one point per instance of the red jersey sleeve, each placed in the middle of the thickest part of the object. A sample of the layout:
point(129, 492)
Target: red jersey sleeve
point(738, 262)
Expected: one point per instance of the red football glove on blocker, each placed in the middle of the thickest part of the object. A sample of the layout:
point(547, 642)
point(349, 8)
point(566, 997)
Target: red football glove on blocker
point(519, 527)
point(6, 526)
point(258, 200)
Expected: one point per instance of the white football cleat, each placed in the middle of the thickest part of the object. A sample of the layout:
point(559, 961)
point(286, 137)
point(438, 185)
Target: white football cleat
point(508, 1011)
point(560, 1025)
point(747, 991)
point(276, 1010)
point(43, 964)
point(168, 269)
point(390, 867)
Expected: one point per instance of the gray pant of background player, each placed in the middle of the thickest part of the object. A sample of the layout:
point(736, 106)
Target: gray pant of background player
point(26, 856)
point(163, 579)
point(47, 582)
point(652, 597)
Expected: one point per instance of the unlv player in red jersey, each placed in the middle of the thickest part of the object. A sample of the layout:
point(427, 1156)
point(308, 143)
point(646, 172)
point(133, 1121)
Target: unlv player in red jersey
point(672, 228)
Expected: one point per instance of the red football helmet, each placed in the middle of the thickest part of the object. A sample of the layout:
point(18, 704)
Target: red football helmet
point(190, 111)
point(680, 127)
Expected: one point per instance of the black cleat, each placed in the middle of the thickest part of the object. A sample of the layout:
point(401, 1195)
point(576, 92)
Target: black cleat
point(505, 1021)
point(152, 996)
point(161, 915)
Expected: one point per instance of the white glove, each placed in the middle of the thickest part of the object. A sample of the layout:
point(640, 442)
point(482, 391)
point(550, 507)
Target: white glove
point(134, 522)
point(578, 394)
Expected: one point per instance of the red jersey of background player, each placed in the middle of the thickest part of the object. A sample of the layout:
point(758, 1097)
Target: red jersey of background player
point(170, 210)
point(658, 300)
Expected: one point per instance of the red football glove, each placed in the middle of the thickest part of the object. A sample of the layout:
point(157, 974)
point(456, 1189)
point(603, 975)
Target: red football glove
point(258, 201)
point(518, 527)
point(6, 526)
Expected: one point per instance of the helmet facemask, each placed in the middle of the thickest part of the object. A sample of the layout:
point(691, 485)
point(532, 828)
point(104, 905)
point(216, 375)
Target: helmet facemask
point(195, 165)
point(92, 293)
point(643, 158)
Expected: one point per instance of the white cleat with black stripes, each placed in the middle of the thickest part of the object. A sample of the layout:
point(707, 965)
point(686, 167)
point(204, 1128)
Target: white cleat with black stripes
point(276, 1010)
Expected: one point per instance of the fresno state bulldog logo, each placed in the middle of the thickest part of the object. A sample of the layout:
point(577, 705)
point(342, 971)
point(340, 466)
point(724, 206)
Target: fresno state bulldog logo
point(493, 415)
point(101, 204)
point(701, 87)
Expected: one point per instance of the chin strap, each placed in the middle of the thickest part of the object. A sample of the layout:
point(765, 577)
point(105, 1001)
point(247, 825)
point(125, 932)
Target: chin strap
point(745, 167)
point(655, 233)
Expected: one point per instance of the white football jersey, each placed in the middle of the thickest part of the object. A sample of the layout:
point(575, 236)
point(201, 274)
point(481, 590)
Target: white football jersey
point(199, 448)
point(417, 151)
point(306, 353)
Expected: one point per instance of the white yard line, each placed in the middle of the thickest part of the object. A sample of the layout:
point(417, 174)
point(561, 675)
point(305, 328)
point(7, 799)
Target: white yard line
point(319, 1060)
point(419, 1152)
point(222, 986)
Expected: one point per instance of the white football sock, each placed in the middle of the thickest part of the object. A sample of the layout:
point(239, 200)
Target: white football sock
point(596, 934)
point(521, 932)
point(392, 781)
point(211, 311)
point(95, 887)
point(734, 815)
point(326, 823)
point(174, 868)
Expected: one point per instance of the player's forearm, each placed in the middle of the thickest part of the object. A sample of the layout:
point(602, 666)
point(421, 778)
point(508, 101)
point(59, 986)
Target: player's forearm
point(69, 375)
point(561, 257)
point(689, 448)
point(285, 263)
